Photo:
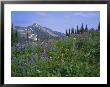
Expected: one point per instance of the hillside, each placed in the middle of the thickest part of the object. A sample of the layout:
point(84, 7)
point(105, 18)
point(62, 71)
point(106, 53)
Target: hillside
point(43, 33)
point(73, 56)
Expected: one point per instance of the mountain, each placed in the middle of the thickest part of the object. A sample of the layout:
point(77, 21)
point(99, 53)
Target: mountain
point(39, 31)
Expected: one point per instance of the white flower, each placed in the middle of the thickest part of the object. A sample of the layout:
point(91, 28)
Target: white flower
point(38, 71)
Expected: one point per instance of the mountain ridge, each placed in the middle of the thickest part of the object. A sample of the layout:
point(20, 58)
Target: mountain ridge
point(38, 30)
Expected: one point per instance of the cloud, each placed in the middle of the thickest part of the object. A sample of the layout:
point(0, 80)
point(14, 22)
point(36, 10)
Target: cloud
point(85, 14)
point(41, 13)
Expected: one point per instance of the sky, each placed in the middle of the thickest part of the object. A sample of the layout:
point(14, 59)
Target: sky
point(56, 20)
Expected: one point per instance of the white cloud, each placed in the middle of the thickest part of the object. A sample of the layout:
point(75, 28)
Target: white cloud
point(41, 13)
point(85, 14)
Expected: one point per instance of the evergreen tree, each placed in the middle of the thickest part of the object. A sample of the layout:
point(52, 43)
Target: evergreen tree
point(27, 35)
point(99, 27)
point(66, 33)
point(86, 28)
point(12, 26)
point(12, 34)
point(77, 30)
point(12, 30)
point(16, 36)
point(69, 32)
point(72, 31)
point(82, 28)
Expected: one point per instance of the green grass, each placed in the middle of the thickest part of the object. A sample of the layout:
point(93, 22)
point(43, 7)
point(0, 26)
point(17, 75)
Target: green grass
point(75, 56)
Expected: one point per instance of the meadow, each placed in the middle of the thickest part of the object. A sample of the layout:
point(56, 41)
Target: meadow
point(70, 56)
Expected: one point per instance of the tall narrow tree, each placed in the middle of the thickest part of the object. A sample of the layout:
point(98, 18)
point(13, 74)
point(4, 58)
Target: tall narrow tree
point(27, 35)
point(12, 26)
point(12, 34)
point(66, 33)
point(72, 31)
point(82, 28)
point(86, 28)
point(12, 29)
point(69, 32)
point(16, 35)
point(77, 30)
point(99, 27)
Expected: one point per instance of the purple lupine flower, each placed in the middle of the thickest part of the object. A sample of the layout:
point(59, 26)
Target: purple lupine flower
point(75, 46)
point(32, 57)
point(44, 56)
point(24, 66)
point(19, 61)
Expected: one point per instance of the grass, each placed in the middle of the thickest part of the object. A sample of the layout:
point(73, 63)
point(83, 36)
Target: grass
point(75, 56)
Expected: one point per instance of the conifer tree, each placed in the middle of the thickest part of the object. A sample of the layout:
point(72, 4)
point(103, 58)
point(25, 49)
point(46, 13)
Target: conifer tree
point(99, 27)
point(12, 29)
point(12, 26)
point(82, 28)
point(16, 36)
point(27, 35)
point(72, 31)
point(69, 32)
point(12, 34)
point(66, 33)
point(77, 30)
point(86, 28)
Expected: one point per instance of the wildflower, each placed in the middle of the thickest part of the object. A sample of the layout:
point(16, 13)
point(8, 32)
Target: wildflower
point(38, 71)
point(66, 75)
point(24, 66)
point(32, 57)
point(74, 38)
point(19, 61)
point(62, 61)
point(75, 46)
point(50, 58)
point(44, 55)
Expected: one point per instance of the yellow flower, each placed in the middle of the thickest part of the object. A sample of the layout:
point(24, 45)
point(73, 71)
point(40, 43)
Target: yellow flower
point(74, 38)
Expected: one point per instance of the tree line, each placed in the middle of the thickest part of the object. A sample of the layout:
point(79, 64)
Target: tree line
point(80, 30)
